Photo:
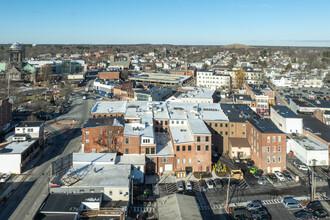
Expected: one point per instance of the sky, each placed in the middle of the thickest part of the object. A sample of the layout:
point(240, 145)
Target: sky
point(181, 22)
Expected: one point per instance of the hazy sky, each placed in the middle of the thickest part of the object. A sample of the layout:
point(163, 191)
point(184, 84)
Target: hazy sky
point(252, 22)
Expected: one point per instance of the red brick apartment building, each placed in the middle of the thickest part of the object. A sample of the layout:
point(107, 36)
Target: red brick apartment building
point(268, 145)
point(103, 135)
point(5, 113)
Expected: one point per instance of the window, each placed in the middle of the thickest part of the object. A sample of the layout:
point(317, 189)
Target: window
point(81, 191)
point(206, 138)
point(87, 133)
point(189, 161)
point(126, 151)
point(110, 193)
point(147, 150)
point(165, 122)
point(206, 147)
point(226, 133)
point(268, 139)
point(257, 146)
point(268, 149)
point(177, 122)
point(268, 159)
point(178, 161)
point(198, 160)
point(226, 125)
point(120, 192)
point(274, 159)
point(178, 148)
point(127, 140)
point(92, 190)
point(243, 125)
point(93, 150)
point(216, 124)
point(161, 122)
point(221, 125)
point(279, 148)
point(183, 161)
point(110, 132)
point(232, 125)
point(243, 133)
point(198, 147)
point(30, 130)
point(274, 138)
point(210, 124)
point(279, 138)
point(182, 122)
point(183, 148)
point(221, 132)
point(172, 122)
point(279, 159)
point(189, 147)
point(232, 133)
point(164, 159)
point(198, 139)
point(87, 141)
point(152, 150)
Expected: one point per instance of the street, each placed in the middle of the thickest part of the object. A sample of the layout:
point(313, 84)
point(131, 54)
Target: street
point(25, 201)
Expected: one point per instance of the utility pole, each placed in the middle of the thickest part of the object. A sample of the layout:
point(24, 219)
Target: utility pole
point(228, 194)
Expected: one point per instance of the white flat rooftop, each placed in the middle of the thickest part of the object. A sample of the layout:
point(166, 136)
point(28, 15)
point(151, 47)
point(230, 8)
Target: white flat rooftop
point(309, 143)
point(96, 158)
point(106, 107)
point(102, 175)
point(164, 145)
point(198, 126)
point(181, 134)
point(17, 147)
point(135, 159)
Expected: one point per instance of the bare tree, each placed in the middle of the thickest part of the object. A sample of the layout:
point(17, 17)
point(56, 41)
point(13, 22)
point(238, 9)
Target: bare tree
point(110, 137)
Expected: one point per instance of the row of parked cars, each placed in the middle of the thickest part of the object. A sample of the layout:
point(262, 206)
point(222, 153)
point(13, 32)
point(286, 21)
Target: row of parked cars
point(313, 210)
point(206, 184)
point(256, 210)
point(253, 210)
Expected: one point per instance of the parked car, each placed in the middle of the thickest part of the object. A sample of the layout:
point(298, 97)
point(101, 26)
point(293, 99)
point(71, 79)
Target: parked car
point(272, 177)
point(218, 183)
point(209, 184)
point(258, 174)
point(5, 177)
point(320, 213)
point(265, 217)
point(259, 212)
point(249, 164)
point(302, 167)
point(253, 170)
point(290, 202)
point(202, 184)
point(262, 180)
point(236, 160)
point(180, 186)
point(279, 176)
point(314, 205)
point(255, 204)
point(297, 163)
point(303, 214)
point(241, 214)
point(188, 186)
point(287, 175)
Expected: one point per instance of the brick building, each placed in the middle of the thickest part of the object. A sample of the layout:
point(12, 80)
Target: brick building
point(103, 135)
point(5, 113)
point(263, 97)
point(268, 145)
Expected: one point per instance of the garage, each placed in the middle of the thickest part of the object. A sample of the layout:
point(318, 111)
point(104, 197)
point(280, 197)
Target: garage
point(168, 167)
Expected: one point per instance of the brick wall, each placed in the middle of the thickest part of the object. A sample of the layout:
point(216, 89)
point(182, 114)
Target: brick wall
point(5, 113)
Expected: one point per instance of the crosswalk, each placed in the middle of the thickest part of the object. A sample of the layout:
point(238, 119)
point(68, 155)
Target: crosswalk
point(242, 184)
point(142, 209)
point(271, 201)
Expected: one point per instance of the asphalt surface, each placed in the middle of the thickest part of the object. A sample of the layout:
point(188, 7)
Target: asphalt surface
point(25, 201)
